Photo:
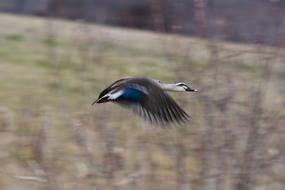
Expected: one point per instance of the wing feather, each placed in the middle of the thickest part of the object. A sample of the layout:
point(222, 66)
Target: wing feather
point(156, 106)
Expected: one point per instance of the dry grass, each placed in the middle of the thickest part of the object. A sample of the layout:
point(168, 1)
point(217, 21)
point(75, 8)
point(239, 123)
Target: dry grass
point(51, 137)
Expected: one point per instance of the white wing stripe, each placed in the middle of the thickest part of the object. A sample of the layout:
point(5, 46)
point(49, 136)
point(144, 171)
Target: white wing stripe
point(116, 95)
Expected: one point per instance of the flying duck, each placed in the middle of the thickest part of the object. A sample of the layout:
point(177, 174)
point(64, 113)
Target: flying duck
point(147, 98)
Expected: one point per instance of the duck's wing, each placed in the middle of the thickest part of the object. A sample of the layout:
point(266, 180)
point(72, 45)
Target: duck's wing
point(116, 84)
point(154, 105)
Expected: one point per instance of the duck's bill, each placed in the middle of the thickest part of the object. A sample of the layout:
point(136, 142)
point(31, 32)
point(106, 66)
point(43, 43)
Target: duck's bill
point(191, 90)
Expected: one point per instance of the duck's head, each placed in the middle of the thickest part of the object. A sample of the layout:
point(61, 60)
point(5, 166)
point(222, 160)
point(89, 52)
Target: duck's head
point(181, 86)
point(178, 87)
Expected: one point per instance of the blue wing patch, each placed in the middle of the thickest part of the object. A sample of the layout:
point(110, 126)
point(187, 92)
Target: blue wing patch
point(131, 94)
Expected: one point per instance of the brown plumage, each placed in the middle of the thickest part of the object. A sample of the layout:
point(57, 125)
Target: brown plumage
point(147, 98)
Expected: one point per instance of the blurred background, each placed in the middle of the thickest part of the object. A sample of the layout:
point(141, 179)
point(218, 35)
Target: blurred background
point(57, 55)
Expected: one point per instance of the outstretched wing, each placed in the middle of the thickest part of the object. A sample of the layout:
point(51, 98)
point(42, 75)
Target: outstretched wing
point(154, 104)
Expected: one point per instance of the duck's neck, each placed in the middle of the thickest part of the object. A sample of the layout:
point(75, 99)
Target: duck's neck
point(170, 87)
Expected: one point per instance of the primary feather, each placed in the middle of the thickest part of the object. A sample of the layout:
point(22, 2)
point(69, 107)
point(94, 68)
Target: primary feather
point(146, 98)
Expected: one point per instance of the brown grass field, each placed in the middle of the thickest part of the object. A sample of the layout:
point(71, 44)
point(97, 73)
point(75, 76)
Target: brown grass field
point(52, 138)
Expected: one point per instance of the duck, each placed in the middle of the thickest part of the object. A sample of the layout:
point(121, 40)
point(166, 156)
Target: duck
point(147, 98)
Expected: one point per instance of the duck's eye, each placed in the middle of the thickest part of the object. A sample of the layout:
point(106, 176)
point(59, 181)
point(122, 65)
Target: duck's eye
point(181, 84)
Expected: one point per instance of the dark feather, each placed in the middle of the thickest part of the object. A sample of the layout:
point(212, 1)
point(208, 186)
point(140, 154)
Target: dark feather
point(155, 106)
point(111, 87)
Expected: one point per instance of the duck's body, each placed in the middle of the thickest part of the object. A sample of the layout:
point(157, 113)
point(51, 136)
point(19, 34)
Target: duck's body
point(146, 97)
